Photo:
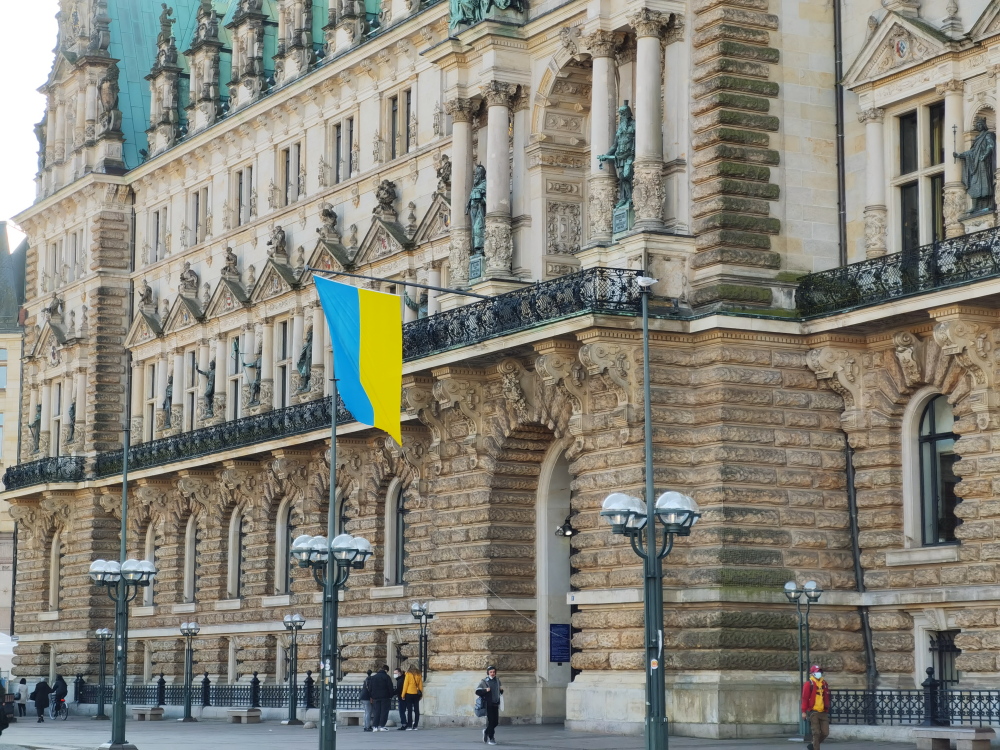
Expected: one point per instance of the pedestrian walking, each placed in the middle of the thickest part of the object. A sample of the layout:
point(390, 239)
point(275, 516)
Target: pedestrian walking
point(22, 697)
point(413, 691)
point(491, 692)
point(40, 696)
point(366, 701)
point(59, 692)
point(816, 707)
point(398, 678)
point(382, 690)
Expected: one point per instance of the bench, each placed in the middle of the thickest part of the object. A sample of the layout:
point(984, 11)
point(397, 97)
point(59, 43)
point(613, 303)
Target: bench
point(350, 717)
point(244, 715)
point(147, 713)
point(966, 738)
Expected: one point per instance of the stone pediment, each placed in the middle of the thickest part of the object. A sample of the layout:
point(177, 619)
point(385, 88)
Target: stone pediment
point(229, 296)
point(145, 327)
point(436, 223)
point(276, 279)
point(50, 335)
point(988, 23)
point(185, 312)
point(330, 256)
point(383, 240)
point(898, 43)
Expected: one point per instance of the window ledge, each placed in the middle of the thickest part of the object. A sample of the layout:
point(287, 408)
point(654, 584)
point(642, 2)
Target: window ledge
point(48, 615)
point(144, 611)
point(317, 596)
point(388, 592)
point(229, 604)
point(921, 555)
point(279, 600)
point(180, 609)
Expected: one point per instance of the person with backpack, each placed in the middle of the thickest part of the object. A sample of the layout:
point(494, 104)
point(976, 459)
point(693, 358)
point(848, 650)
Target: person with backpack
point(816, 707)
point(382, 690)
point(413, 691)
point(59, 692)
point(366, 701)
point(491, 692)
point(40, 696)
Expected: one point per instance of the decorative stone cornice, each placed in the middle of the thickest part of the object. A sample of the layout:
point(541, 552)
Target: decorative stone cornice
point(873, 114)
point(498, 93)
point(648, 22)
point(461, 110)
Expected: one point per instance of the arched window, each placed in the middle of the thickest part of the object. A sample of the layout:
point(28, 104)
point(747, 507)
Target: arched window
point(55, 570)
point(395, 535)
point(237, 538)
point(284, 534)
point(148, 594)
point(937, 478)
point(190, 559)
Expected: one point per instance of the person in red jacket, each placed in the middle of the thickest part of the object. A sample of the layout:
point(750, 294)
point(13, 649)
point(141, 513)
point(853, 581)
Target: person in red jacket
point(816, 706)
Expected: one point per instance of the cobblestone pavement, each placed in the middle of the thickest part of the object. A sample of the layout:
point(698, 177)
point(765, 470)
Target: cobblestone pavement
point(79, 732)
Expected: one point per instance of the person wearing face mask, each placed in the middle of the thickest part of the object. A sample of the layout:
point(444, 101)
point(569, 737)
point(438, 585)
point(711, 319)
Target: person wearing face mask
point(399, 678)
point(816, 707)
point(491, 692)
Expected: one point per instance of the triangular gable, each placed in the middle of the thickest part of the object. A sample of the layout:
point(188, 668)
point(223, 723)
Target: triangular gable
point(48, 335)
point(988, 23)
point(185, 312)
point(144, 328)
point(229, 296)
point(897, 44)
point(275, 280)
point(436, 223)
point(383, 239)
point(330, 256)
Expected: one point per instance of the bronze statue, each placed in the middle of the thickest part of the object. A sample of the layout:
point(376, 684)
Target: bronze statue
point(304, 363)
point(979, 168)
point(168, 401)
point(622, 153)
point(209, 387)
point(476, 208)
point(255, 383)
point(35, 427)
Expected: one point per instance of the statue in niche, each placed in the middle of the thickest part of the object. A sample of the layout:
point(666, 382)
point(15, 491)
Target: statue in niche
point(476, 209)
point(622, 153)
point(110, 118)
point(979, 168)
point(71, 432)
point(189, 280)
point(277, 242)
point(304, 363)
point(35, 428)
point(209, 387)
point(168, 401)
point(255, 383)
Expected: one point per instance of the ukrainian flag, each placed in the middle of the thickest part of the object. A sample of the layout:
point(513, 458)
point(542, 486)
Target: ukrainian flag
point(366, 329)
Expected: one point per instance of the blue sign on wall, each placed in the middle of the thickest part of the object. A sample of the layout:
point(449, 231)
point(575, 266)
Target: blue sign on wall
point(559, 643)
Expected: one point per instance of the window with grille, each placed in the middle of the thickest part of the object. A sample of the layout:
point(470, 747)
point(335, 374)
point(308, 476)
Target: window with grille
point(945, 653)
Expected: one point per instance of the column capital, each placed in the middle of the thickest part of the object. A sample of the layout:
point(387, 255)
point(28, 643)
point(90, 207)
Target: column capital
point(461, 110)
point(951, 87)
point(521, 101)
point(602, 43)
point(872, 114)
point(498, 93)
point(648, 22)
point(675, 31)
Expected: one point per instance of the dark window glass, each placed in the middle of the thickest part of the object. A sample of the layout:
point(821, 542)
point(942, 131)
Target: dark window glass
point(408, 111)
point(937, 476)
point(394, 123)
point(944, 653)
point(937, 208)
point(338, 153)
point(289, 537)
point(909, 214)
point(400, 540)
point(908, 143)
point(936, 117)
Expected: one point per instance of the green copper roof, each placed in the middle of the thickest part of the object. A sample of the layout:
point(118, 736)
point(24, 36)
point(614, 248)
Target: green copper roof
point(135, 25)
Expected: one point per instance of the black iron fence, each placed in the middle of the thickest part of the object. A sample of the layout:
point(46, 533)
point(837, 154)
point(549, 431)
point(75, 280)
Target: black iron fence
point(933, 704)
point(58, 469)
point(972, 257)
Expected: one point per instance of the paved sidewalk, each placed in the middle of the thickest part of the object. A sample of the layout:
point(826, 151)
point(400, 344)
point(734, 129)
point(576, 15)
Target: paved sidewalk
point(82, 733)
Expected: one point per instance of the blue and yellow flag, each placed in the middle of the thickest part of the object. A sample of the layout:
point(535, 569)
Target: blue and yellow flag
point(366, 329)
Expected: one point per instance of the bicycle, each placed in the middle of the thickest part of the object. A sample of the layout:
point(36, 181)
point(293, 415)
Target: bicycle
point(62, 710)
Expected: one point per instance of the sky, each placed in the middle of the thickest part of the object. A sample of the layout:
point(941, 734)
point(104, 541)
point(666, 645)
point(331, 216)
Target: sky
point(27, 38)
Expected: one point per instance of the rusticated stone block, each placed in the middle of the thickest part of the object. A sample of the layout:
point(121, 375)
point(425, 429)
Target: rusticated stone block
point(976, 662)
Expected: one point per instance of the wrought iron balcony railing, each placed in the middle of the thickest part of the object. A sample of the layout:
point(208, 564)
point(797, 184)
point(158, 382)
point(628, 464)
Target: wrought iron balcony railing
point(596, 290)
point(972, 257)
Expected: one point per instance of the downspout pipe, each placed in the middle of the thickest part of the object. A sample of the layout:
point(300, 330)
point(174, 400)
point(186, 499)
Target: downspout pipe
point(871, 673)
point(838, 92)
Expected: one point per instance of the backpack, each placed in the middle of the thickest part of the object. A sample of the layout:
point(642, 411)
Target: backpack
point(366, 692)
point(480, 707)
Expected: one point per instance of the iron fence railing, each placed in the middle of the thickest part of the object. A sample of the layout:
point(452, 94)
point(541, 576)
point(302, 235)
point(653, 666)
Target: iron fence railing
point(44, 471)
point(971, 257)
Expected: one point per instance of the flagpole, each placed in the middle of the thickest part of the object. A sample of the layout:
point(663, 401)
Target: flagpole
point(400, 282)
point(328, 655)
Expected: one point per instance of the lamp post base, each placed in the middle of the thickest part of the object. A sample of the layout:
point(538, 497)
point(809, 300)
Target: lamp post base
point(293, 723)
point(189, 718)
point(117, 746)
point(101, 717)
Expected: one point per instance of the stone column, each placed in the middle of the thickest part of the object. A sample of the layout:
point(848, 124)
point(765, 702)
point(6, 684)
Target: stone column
point(298, 336)
point(461, 111)
point(412, 294)
point(177, 402)
point(318, 351)
point(647, 191)
point(68, 389)
point(204, 355)
point(602, 184)
point(81, 400)
point(875, 208)
point(498, 245)
point(676, 119)
point(955, 196)
point(267, 366)
point(221, 377)
point(45, 427)
point(28, 446)
point(138, 392)
point(433, 279)
point(520, 206)
point(161, 396)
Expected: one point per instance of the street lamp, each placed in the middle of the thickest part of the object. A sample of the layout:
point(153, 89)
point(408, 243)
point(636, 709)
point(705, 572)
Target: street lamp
point(331, 564)
point(293, 624)
point(122, 582)
point(812, 593)
point(189, 630)
point(103, 636)
point(422, 614)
